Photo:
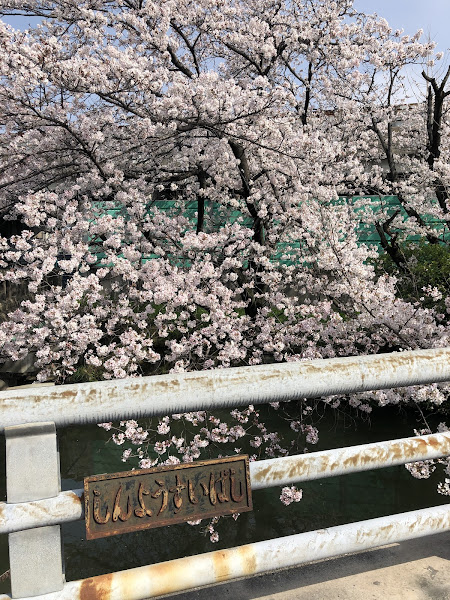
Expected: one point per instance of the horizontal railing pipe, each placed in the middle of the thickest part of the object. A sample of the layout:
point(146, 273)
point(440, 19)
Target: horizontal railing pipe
point(342, 461)
point(68, 506)
point(251, 559)
point(63, 508)
point(207, 390)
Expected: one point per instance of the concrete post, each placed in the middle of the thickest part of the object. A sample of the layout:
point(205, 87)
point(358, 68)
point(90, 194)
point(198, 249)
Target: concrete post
point(32, 473)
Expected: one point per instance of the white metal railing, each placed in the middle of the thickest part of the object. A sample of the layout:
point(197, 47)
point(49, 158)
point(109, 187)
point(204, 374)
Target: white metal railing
point(35, 507)
point(183, 392)
point(68, 506)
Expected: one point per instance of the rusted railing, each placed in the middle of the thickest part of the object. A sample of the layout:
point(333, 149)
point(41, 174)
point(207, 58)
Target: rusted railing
point(183, 392)
point(37, 505)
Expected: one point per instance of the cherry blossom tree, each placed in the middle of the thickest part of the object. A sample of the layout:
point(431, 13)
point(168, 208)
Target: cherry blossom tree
point(170, 184)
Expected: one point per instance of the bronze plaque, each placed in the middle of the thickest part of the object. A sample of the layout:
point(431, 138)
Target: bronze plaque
point(141, 499)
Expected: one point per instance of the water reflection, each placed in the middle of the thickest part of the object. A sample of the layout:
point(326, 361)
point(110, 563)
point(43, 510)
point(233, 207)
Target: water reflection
point(86, 451)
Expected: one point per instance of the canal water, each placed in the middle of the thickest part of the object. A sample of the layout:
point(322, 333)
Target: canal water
point(86, 451)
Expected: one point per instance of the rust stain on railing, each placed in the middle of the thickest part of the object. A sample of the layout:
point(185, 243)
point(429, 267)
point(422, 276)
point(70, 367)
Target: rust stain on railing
point(96, 588)
point(221, 561)
point(339, 461)
point(171, 576)
point(205, 569)
point(67, 506)
point(237, 386)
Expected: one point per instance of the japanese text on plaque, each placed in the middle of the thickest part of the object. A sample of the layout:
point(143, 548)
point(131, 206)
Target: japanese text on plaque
point(141, 499)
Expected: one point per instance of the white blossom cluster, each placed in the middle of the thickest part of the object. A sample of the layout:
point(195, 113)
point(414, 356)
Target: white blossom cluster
point(187, 185)
point(290, 494)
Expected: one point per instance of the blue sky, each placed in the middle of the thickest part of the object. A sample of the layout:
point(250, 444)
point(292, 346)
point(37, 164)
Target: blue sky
point(433, 16)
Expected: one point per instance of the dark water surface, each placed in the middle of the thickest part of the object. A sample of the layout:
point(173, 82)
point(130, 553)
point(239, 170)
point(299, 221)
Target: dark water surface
point(85, 451)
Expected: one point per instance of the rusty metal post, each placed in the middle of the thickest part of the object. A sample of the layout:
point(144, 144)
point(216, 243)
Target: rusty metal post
point(32, 473)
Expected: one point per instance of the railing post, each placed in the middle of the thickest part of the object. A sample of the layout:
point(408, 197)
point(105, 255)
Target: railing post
point(32, 473)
